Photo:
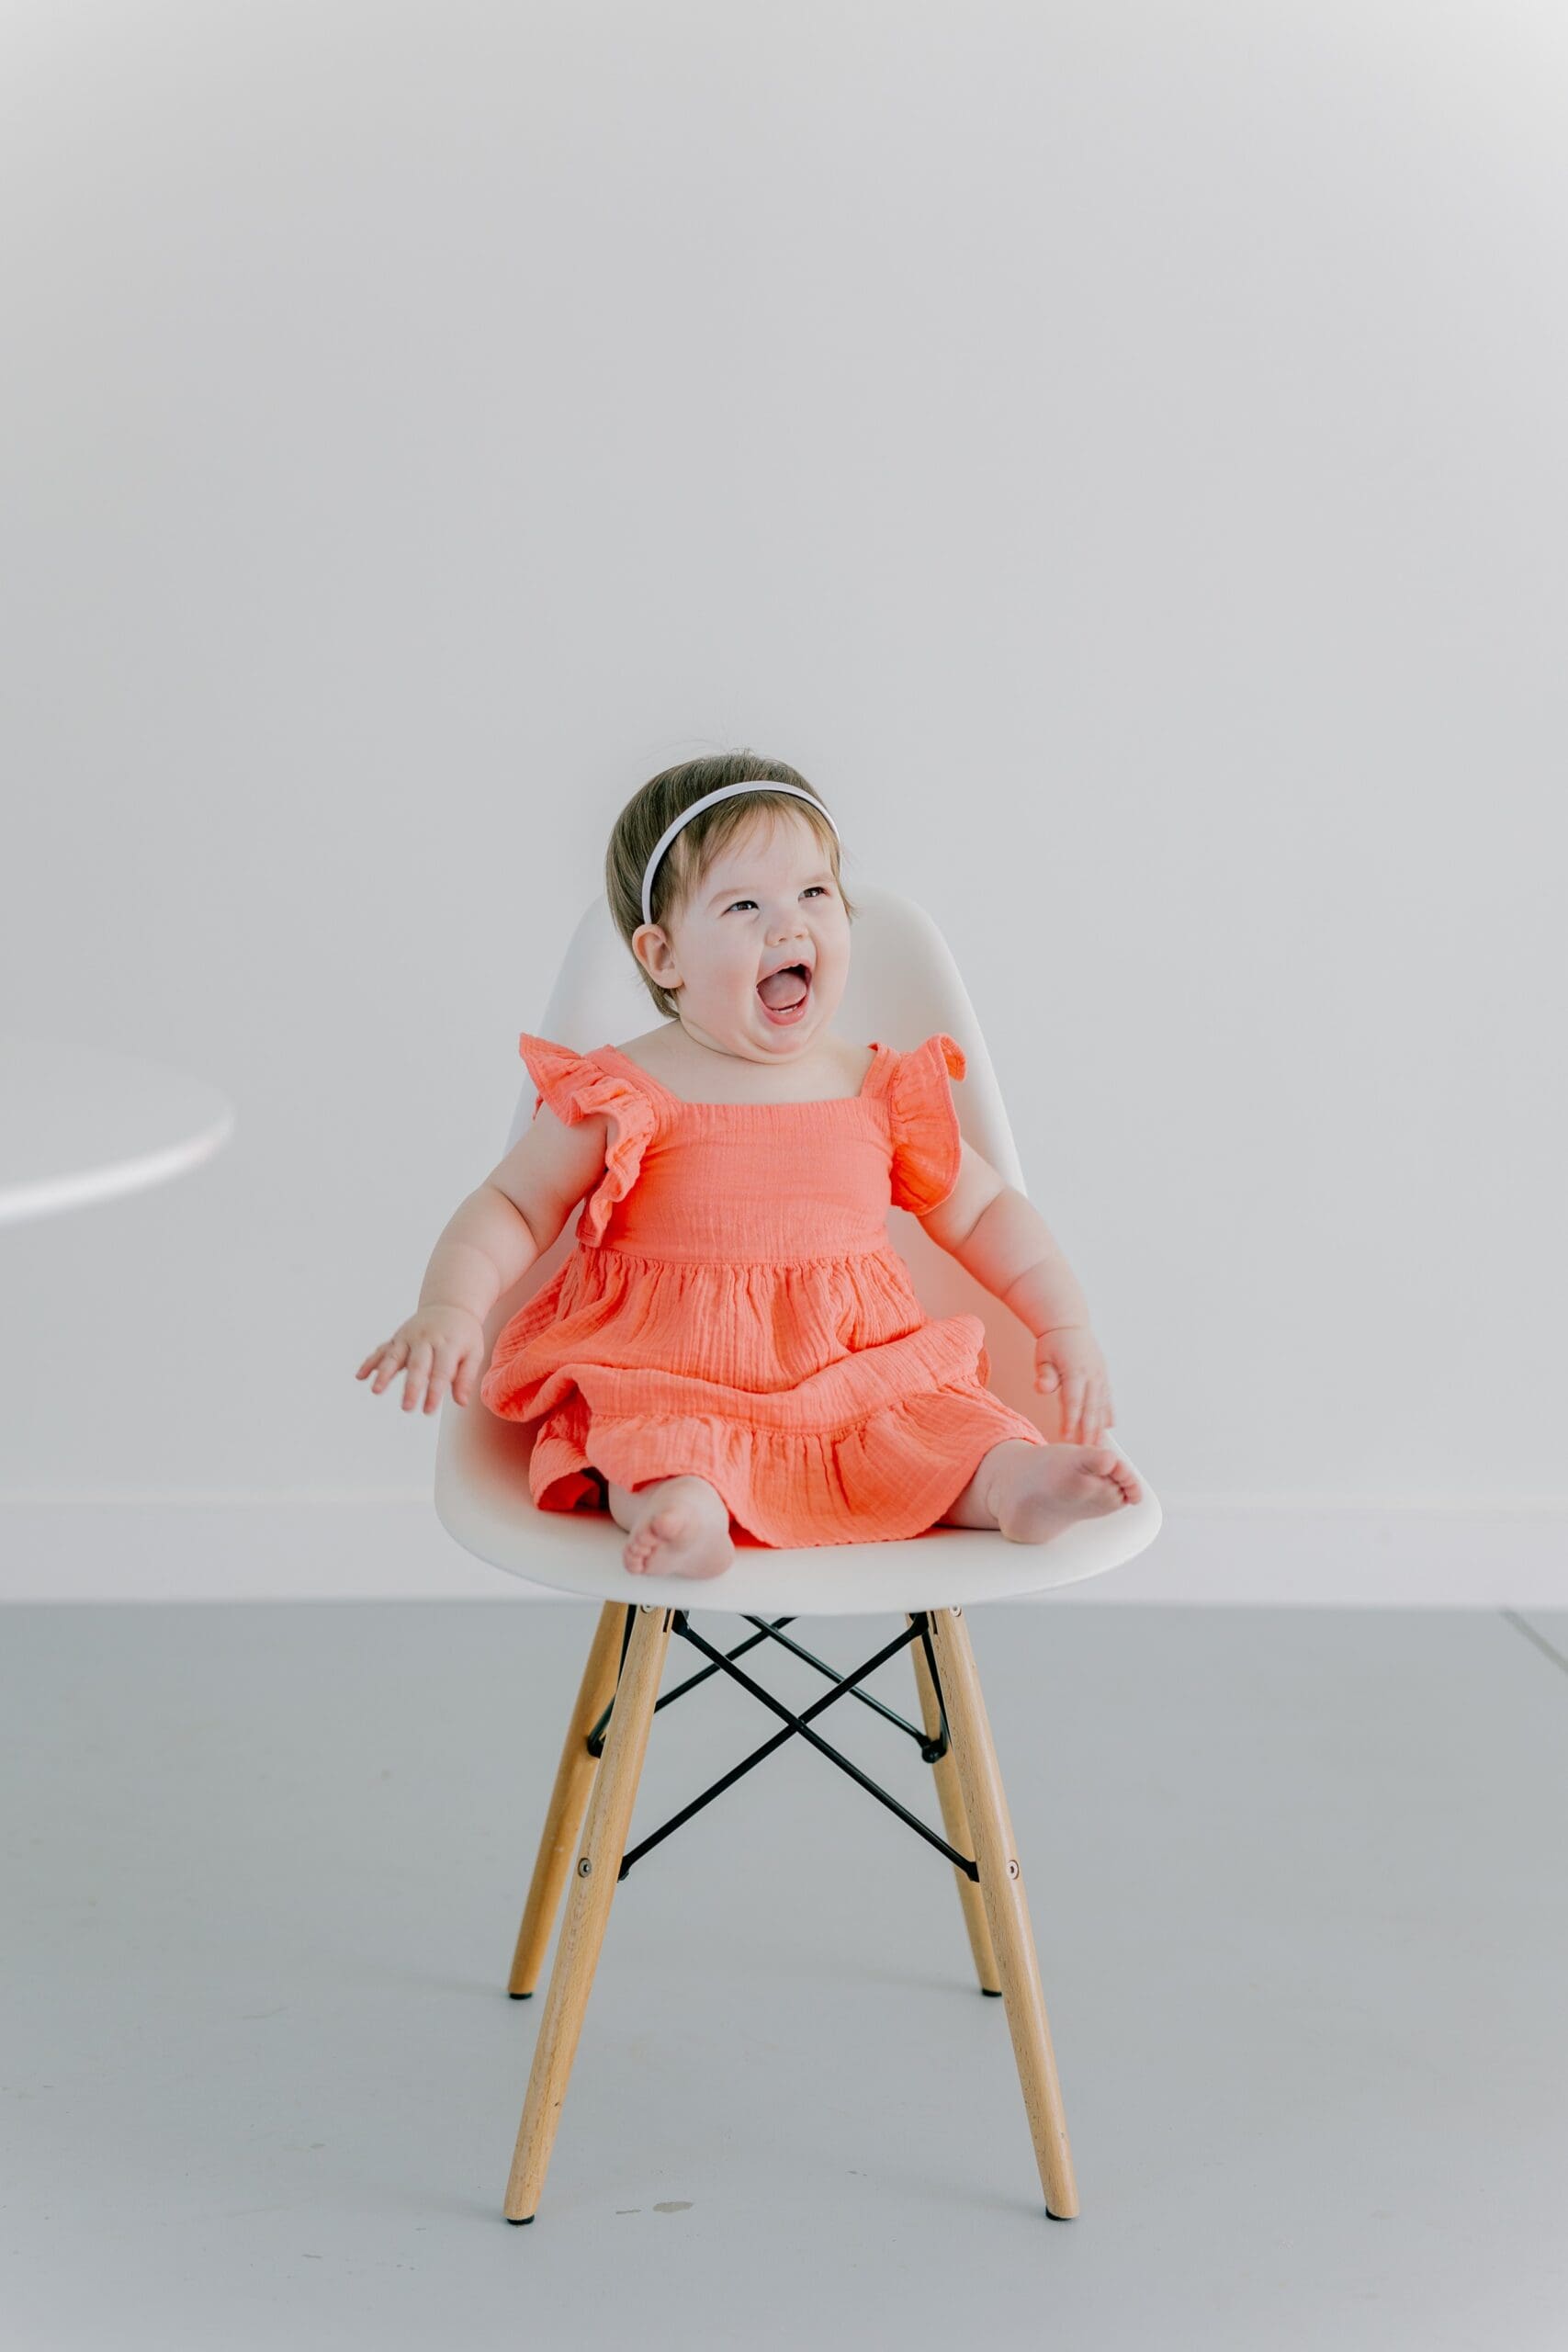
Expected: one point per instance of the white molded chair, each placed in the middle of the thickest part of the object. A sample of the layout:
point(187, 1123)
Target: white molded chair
point(903, 986)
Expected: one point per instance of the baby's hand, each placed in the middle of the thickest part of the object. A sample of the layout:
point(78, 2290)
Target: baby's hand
point(438, 1344)
point(1068, 1358)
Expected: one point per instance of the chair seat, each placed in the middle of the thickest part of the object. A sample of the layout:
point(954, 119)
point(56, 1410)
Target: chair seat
point(904, 984)
point(483, 1500)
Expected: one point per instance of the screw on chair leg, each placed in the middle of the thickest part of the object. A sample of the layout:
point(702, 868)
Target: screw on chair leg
point(1006, 1912)
point(588, 1907)
point(954, 1821)
point(569, 1800)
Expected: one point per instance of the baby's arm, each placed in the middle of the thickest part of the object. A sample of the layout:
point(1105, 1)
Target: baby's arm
point(997, 1234)
point(487, 1246)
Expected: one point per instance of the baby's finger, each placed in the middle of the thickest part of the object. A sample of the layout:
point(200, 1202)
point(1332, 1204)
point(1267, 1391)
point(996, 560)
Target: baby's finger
point(392, 1363)
point(441, 1374)
point(418, 1373)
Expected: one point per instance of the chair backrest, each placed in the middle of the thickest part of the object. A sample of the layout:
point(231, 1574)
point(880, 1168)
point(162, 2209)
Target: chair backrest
point(903, 986)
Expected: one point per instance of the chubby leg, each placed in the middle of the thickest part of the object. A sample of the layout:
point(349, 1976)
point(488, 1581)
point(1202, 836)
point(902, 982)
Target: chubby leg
point(678, 1527)
point(1032, 1492)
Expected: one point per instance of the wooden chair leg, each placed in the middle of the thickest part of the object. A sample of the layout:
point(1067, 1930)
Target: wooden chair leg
point(954, 1821)
point(1007, 1911)
point(569, 1800)
point(588, 1906)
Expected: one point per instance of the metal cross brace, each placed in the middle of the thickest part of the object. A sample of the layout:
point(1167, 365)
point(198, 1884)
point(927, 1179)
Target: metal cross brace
point(919, 1629)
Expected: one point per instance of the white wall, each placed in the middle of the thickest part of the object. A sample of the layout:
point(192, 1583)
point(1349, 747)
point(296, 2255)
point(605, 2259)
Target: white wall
point(1115, 452)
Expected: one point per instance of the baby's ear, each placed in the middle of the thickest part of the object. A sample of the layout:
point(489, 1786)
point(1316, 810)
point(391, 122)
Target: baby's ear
point(651, 939)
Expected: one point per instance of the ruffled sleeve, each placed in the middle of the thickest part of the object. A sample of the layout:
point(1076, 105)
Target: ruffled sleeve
point(575, 1089)
point(927, 1146)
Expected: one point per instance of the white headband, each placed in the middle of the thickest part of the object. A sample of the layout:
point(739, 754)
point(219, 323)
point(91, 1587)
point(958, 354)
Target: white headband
point(725, 792)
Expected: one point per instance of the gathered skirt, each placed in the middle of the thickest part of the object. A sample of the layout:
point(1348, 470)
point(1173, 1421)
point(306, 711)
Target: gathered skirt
point(874, 1421)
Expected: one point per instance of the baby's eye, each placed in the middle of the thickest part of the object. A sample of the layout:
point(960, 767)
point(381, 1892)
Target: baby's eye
point(751, 902)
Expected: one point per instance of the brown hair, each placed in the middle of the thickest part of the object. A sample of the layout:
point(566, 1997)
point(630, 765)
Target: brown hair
point(696, 846)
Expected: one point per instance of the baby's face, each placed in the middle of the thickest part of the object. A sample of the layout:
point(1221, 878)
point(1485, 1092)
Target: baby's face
point(769, 898)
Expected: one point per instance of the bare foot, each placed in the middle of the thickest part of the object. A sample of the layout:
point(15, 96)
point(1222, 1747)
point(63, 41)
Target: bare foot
point(680, 1528)
point(1040, 1489)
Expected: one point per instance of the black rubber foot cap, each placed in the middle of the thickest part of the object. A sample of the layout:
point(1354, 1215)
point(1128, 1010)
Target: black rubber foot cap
point(520, 1996)
point(992, 1992)
point(517, 2219)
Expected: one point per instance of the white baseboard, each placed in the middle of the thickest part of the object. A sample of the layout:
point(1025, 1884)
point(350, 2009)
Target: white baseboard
point(1291, 1553)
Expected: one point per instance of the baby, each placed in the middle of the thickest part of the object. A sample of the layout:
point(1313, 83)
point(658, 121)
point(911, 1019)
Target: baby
point(735, 1343)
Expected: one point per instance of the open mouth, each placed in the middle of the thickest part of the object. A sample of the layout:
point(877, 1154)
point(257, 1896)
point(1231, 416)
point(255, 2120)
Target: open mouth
point(784, 995)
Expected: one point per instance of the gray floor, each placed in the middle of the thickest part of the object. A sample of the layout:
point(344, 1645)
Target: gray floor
point(1298, 1891)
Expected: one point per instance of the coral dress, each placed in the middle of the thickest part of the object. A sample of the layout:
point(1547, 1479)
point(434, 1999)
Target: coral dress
point(736, 1308)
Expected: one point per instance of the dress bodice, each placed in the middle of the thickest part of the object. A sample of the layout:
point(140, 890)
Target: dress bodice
point(761, 1183)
